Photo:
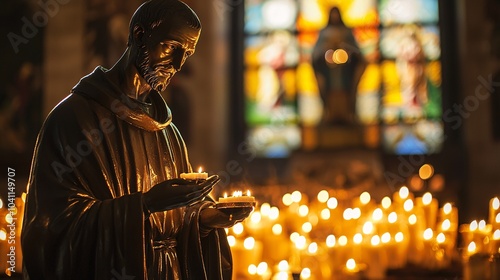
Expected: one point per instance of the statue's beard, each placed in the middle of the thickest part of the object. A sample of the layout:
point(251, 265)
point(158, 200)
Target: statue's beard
point(150, 74)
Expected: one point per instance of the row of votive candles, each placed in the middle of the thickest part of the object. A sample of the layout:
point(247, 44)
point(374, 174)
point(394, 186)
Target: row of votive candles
point(481, 246)
point(328, 237)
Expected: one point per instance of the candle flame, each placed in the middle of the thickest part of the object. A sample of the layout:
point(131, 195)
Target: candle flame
point(412, 219)
point(200, 170)
point(392, 218)
point(305, 273)
point(473, 225)
point(375, 241)
point(262, 268)
point(441, 238)
point(447, 208)
point(277, 229)
point(332, 203)
point(495, 203)
point(427, 198)
point(446, 225)
point(386, 237)
point(323, 196)
point(225, 195)
point(377, 214)
point(408, 205)
point(472, 247)
point(357, 238)
point(283, 265)
point(481, 225)
point(368, 227)
point(330, 241)
point(497, 219)
point(313, 248)
point(249, 243)
point(252, 269)
point(248, 193)
point(399, 237)
point(386, 202)
point(428, 234)
point(350, 264)
point(365, 198)
point(342, 240)
point(496, 235)
point(404, 192)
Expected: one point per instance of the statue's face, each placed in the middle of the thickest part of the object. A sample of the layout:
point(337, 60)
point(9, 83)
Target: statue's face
point(164, 51)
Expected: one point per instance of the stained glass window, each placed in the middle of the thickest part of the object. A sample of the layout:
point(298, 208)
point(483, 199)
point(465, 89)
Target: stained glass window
point(397, 91)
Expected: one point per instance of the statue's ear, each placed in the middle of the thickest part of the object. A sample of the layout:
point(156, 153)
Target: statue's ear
point(138, 34)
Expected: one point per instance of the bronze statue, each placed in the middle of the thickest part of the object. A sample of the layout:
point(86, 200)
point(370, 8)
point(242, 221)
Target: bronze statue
point(104, 199)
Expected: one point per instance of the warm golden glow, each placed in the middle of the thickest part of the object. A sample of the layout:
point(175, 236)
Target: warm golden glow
point(3, 234)
point(306, 227)
point(347, 215)
point(252, 269)
point(375, 241)
point(330, 241)
point(356, 213)
point(385, 238)
point(303, 210)
point(496, 235)
point(332, 203)
point(392, 218)
point(377, 215)
point(305, 273)
point(428, 234)
point(446, 225)
point(9, 219)
point(342, 240)
point(249, 243)
point(447, 208)
point(325, 214)
point(408, 205)
point(441, 238)
point(481, 225)
point(473, 225)
point(426, 171)
point(231, 240)
point(386, 202)
point(262, 268)
point(427, 198)
point(200, 170)
point(274, 213)
point(312, 248)
point(265, 209)
point(399, 237)
point(287, 199)
point(497, 219)
point(365, 198)
point(404, 192)
point(238, 228)
point(357, 238)
point(1, 203)
point(495, 204)
point(225, 195)
point(340, 56)
point(323, 196)
point(255, 217)
point(277, 229)
point(283, 265)
point(472, 247)
point(296, 196)
point(23, 197)
point(301, 242)
point(350, 264)
point(412, 219)
point(294, 236)
point(368, 227)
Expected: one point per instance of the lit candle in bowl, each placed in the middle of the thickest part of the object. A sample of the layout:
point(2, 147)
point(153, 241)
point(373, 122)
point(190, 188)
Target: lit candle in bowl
point(195, 175)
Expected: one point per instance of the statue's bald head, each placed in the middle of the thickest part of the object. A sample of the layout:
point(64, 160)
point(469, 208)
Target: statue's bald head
point(152, 13)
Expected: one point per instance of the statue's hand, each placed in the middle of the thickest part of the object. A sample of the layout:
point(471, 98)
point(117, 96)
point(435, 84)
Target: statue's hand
point(215, 218)
point(177, 193)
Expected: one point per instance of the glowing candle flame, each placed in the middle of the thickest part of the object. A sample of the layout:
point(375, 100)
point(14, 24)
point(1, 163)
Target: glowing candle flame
point(277, 229)
point(307, 227)
point(332, 203)
point(313, 248)
point(377, 214)
point(200, 170)
point(386, 237)
point(231, 240)
point(342, 240)
point(248, 193)
point(325, 214)
point(386, 202)
point(412, 219)
point(408, 205)
point(496, 235)
point(447, 208)
point(262, 268)
point(323, 196)
point(350, 264)
point(368, 227)
point(495, 203)
point(399, 237)
point(427, 198)
point(249, 243)
point(252, 269)
point(330, 241)
point(283, 265)
point(441, 238)
point(472, 247)
point(428, 234)
point(305, 273)
point(365, 198)
point(481, 225)
point(287, 199)
point(357, 238)
point(296, 196)
point(497, 219)
point(446, 225)
point(392, 218)
point(404, 192)
point(473, 225)
point(375, 241)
